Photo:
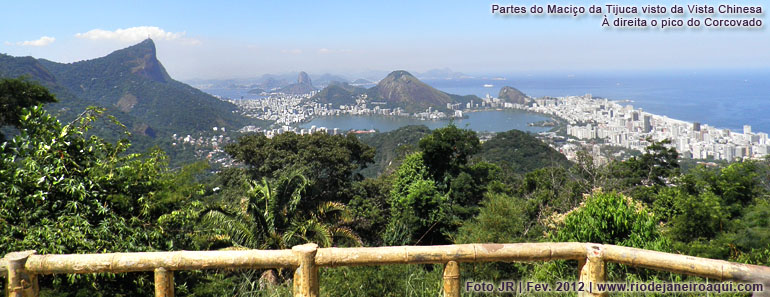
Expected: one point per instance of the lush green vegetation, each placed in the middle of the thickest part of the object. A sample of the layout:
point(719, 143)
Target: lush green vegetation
point(133, 80)
point(17, 94)
point(338, 94)
point(132, 85)
point(520, 152)
point(391, 148)
point(515, 152)
point(64, 190)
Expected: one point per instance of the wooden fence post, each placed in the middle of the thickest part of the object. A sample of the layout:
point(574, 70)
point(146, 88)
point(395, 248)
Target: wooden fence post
point(164, 282)
point(592, 271)
point(20, 284)
point(306, 275)
point(452, 279)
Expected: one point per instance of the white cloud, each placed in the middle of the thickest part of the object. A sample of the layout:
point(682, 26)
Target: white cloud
point(295, 51)
point(333, 51)
point(43, 41)
point(135, 34)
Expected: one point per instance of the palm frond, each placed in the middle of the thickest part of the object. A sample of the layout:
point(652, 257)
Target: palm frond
point(333, 212)
point(346, 234)
point(289, 237)
point(314, 231)
point(241, 230)
point(293, 189)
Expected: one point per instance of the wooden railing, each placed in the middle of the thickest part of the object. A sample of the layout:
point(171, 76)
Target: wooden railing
point(21, 268)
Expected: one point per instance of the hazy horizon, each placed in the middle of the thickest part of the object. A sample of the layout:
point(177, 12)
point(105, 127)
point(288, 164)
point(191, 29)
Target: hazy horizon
point(509, 74)
point(242, 39)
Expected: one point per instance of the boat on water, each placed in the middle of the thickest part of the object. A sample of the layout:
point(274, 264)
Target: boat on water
point(488, 85)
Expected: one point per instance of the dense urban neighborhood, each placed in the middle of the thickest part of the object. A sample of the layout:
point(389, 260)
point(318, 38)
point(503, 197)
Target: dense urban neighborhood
point(589, 124)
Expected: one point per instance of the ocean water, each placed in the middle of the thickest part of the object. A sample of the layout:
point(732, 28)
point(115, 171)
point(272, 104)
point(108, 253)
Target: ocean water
point(723, 99)
point(236, 94)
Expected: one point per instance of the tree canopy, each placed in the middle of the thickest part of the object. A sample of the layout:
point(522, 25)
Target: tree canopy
point(447, 150)
point(16, 94)
point(329, 162)
point(65, 190)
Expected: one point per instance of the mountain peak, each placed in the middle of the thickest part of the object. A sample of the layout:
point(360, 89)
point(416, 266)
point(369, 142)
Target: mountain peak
point(513, 95)
point(146, 46)
point(147, 42)
point(132, 84)
point(395, 75)
point(303, 86)
point(304, 79)
point(401, 88)
point(142, 60)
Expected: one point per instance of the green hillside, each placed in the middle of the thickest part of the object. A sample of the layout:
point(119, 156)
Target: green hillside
point(402, 89)
point(133, 86)
point(514, 150)
point(69, 105)
point(520, 152)
point(398, 89)
point(391, 147)
point(338, 94)
point(133, 81)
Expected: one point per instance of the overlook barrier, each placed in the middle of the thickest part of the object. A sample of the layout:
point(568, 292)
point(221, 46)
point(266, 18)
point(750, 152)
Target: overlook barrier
point(22, 268)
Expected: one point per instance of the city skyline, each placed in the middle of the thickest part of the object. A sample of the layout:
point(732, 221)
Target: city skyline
point(244, 39)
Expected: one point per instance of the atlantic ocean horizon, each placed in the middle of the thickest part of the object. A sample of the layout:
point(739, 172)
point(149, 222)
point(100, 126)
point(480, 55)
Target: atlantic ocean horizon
point(725, 99)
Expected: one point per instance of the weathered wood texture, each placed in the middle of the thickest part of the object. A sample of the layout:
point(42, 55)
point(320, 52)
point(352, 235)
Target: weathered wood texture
point(716, 269)
point(491, 252)
point(306, 274)
point(164, 283)
point(182, 260)
point(592, 270)
point(452, 279)
point(592, 255)
point(20, 282)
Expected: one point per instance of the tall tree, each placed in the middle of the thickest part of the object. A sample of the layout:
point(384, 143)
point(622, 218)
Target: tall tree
point(447, 150)
point(62, 191)
point(275, 216)
point(653, 168)
point(417, 207)
point(329, 162)
point(16, 94)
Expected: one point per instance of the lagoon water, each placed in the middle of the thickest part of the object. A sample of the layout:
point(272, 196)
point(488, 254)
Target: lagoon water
point(491, 121)
point(720, 98)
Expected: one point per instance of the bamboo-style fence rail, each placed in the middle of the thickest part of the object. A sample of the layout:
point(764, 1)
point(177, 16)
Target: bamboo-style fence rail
point(21, 268)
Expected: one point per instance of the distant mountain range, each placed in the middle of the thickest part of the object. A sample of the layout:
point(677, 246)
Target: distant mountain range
point(267, 82)
point(397, 89)
point(133, 85)
point(362, 82)
point(303, 85)
point(445, 73)
point(275, 82)
point(326, 79)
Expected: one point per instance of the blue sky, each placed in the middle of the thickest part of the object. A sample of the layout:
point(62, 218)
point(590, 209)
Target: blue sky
point(227, 39)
